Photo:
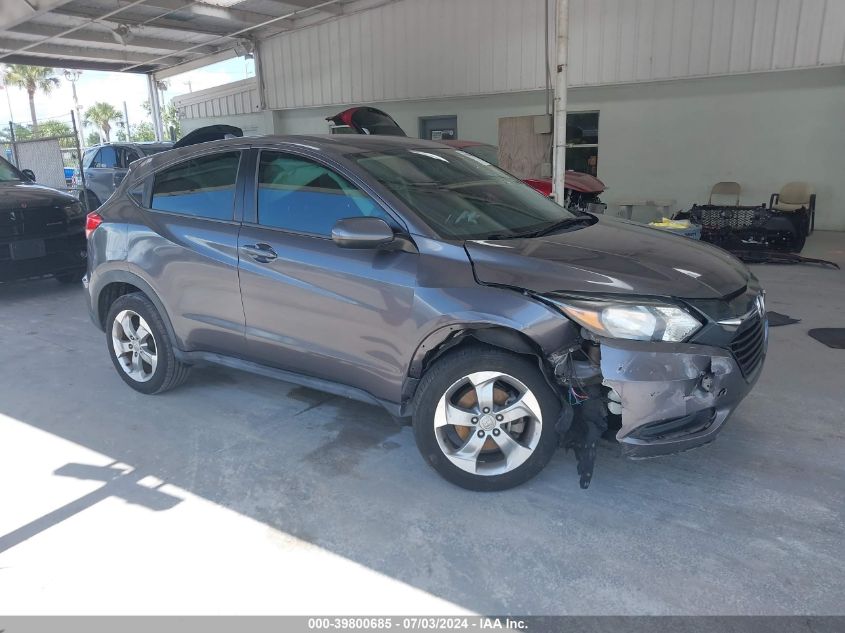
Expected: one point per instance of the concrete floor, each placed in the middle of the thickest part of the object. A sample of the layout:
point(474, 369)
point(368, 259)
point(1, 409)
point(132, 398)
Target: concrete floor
point(237, 494)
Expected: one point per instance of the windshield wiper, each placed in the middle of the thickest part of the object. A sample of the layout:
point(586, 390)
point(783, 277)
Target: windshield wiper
point(562, 224)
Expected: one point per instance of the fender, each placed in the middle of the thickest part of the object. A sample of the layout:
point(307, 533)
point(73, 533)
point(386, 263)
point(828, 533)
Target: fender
point(121, 275)
point(503, 335)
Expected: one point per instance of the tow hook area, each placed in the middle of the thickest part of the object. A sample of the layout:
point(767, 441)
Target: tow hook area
point(584, 416)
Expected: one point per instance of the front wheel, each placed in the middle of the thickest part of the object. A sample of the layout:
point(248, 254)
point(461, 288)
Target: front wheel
point(485, 419)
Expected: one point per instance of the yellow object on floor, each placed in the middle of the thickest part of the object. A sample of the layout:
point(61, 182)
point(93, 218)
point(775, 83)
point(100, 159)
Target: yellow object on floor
point(668, 223)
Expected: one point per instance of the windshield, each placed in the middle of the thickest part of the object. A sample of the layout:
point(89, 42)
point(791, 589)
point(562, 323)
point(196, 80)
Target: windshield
point(490, 153)
point(462, 197)
point(8, 173)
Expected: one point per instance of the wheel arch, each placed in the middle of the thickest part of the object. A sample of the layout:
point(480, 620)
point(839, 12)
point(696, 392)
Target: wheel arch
point(451, 337)
point(117, 283)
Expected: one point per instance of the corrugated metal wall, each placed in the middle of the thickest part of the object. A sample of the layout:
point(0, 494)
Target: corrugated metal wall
point(417, 49)
point(620, 41)
point(240, 97)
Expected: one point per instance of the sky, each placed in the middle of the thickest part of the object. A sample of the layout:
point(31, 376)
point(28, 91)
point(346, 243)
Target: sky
point(115, 88)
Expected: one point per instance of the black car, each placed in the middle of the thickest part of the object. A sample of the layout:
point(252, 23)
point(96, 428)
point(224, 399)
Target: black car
point(42, 230)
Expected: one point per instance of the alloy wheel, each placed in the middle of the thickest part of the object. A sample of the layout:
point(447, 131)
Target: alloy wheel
point(134, 345)
point(488, 423)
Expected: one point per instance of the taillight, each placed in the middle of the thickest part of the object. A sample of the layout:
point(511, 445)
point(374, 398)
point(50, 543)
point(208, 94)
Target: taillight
point(92, 221)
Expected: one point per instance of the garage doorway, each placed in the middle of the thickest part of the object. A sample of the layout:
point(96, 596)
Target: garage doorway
point(439, 128)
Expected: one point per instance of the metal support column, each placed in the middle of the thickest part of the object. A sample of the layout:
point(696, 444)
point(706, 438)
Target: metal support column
point(155, 107)
point(559, 162)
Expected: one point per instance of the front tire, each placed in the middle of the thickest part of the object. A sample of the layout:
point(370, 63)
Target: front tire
point(140, 348)
point(485, 419)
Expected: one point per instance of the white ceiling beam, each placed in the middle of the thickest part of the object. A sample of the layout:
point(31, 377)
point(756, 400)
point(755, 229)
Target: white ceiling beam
point(203, 9)
point(16, 12)
point(202, 62)
point(129, 19)
point(332, 9)
point(80, 52)
point(29, 30)
point(32, 45)
point(244, 31)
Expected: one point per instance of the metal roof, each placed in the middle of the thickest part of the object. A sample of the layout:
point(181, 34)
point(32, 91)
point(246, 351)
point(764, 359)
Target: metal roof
point(145, 36)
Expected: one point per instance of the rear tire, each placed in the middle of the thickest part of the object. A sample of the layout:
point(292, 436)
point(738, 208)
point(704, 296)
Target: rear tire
point(140, 348)
point(493, 447)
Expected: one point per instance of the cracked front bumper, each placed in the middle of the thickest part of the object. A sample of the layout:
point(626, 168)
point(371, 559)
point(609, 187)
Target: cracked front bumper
point(675, 397)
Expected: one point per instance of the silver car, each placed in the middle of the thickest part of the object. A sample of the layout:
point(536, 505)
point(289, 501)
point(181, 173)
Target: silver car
point(411, 275)
point(106, 165)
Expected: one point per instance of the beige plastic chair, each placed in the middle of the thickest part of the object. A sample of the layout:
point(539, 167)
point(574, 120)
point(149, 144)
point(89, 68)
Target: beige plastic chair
point(795, 196)
point(726, 189)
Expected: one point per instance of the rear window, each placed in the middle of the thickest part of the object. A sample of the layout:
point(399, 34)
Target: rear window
point(203, 187)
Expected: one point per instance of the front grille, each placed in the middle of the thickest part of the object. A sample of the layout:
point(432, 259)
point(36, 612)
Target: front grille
point(44, 221)
point(37, 222)
point(748, 345)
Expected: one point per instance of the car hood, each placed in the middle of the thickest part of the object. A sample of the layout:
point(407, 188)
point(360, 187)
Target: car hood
point(611, 256)
point(16, 195)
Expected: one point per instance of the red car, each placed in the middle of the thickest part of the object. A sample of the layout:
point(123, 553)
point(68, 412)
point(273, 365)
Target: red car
point(581, 189)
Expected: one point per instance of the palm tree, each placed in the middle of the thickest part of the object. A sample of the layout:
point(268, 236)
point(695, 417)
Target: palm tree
point(102, 115)
point(32, 79)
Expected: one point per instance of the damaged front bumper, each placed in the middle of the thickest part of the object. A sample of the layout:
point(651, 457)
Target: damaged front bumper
point(674, 397)
point(658, 398)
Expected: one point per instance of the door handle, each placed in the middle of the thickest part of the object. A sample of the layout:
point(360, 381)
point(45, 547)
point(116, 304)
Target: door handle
point(262, 253)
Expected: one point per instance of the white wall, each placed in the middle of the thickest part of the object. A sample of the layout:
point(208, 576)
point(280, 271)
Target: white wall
point(238, 97)
point(676, 139)
point(416, 49)
point(478, 117)
point(255, 124)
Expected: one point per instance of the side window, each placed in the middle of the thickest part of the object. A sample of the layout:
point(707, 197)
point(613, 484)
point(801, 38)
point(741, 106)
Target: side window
point(296, 194)
point(88, 158)
point(127, 157)
point(202, 187)
point(106, 158)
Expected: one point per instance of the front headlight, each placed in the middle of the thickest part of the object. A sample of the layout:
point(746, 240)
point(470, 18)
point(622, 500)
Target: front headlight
point(637, 320)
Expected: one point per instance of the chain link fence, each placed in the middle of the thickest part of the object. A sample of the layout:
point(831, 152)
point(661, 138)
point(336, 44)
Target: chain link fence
point(50, 150)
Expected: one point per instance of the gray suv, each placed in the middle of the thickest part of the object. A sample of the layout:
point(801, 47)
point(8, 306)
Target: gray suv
point(411, 275)
point(106, 165)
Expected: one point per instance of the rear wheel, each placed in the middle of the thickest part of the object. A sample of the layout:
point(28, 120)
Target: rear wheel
point(485, 419)
point(140, 347)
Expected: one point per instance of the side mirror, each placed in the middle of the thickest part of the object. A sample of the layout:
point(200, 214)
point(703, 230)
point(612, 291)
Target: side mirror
point(362, 233)
point(29, 174)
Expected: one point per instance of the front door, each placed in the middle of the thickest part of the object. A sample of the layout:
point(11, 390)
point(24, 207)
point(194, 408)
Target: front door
point(313, 307)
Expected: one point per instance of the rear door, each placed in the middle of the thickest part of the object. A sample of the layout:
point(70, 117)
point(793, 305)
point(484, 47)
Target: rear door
point(312, 307)
point(100, 175)
point(186, 246)
point(125, 156)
